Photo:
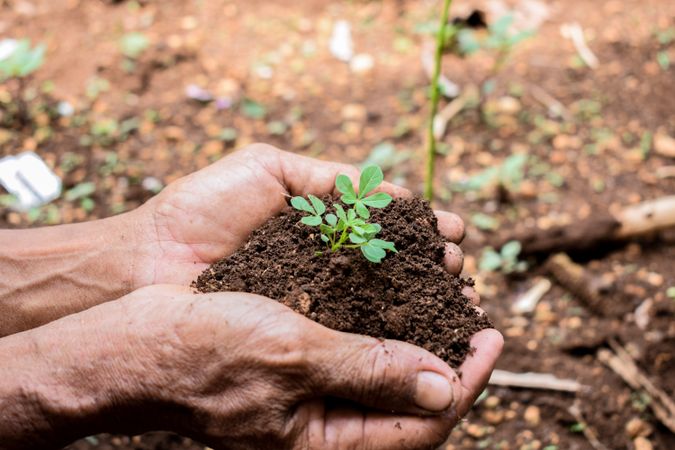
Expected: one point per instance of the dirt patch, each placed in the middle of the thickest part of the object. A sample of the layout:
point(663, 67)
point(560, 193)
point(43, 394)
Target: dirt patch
point(409, 296)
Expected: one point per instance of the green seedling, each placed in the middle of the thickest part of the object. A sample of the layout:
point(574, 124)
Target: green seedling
point(134, 44)
point(506, 260)
point(349, 228)
point(22, 61)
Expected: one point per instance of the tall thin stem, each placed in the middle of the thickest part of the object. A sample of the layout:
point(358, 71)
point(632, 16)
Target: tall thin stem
point(435, 97)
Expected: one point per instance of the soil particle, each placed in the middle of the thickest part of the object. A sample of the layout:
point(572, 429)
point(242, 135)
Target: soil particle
point(409, 296)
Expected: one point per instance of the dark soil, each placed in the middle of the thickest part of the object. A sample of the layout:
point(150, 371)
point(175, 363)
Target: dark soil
point(409, 296)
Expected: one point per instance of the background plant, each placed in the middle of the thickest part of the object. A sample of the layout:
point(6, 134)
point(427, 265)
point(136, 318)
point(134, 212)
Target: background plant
point(505, 261)
point(18, 60)
point(435, 97)
point(349, 228)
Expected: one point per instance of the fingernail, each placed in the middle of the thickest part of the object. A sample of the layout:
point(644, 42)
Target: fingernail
point(433, 392)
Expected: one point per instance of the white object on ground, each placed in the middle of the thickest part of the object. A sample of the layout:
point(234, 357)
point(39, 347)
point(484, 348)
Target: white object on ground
point(7, 47)
point(362, 63)
point(533, 380)
point(28, 178)
point(341, 44)
point(575, 33)
point(528, 301)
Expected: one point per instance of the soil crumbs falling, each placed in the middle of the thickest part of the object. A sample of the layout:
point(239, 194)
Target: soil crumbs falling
point(409, 296)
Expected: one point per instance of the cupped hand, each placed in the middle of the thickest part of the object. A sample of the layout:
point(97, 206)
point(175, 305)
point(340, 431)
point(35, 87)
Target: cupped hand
point(209, 214)
point(240, 371)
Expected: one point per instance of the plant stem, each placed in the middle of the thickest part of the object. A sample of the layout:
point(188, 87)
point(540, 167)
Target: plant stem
point(435, 97)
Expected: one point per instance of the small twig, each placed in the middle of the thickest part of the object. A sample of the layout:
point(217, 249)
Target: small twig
point(623, 365)
point(444, 117)
point(573, 278)
point(555, 108)
point(533, 381)
point(588, 432)
point(574, 32)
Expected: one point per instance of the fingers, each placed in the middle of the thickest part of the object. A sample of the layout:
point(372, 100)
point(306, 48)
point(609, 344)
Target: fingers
point(453, 258)
point(451, 226)
point(300, 175)
point(477, 368)
point(471, 294)
point(351, 428)
point(387, 375)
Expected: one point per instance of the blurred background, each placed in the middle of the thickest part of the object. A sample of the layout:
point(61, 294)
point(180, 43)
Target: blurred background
point(556, 125)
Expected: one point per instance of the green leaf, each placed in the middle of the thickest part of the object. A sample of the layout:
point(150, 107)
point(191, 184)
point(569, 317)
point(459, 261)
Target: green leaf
point(379, 200)
point(361, 209)
point(358, 230)
point(326, 229)
point(371, 177)
point(87, 204)
point(372, 253)
point(301, 204)
point(369, 229)
point(356, 239)
point(134, 44)
point(312, 221)
point(511, 250)
point(386, 245)
point(80, 191)
point(253, 109)
point(318, 205)
point(351, 215)
point(484, 222)
point(339, 210)
point(345, 186)
point(670, 292)
point(331, 219)
point(325, 238)
point(490, 260)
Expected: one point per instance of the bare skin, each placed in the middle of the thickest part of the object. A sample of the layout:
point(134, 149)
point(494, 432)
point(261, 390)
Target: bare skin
point(233, 370)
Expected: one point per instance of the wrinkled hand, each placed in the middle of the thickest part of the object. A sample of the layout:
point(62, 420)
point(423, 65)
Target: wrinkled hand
point(242, 371)
point(209, 214)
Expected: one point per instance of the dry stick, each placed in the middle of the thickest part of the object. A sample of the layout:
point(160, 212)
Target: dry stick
point(573, 278)
point(555, 107)
point(623, 365)
point(441, 120)
point(631, 222)
point(533, 381)
point(589, 434)
point(435, 96)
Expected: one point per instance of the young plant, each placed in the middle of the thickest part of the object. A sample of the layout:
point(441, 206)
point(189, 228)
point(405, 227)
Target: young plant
point(18, 60)
point(349, 228)
point(435, 98)
point(506, 260)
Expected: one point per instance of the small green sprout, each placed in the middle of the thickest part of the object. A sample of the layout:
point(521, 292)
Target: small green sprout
point(21, 61)
point(506, 260)
point(349, 228)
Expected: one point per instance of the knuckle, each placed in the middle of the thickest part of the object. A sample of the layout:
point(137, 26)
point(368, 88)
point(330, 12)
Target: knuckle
point(260, 148)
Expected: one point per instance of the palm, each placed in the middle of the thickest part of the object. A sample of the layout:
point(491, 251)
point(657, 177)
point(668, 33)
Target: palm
point(209, 214)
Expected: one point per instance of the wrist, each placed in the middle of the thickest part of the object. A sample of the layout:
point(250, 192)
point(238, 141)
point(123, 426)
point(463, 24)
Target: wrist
point(81, 375)
point(55, 271)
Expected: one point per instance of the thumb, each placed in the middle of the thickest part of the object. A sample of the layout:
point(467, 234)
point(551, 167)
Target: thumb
point(384, 374)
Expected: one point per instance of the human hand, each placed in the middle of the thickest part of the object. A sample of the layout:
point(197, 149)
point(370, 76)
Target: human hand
point(209, 214)
point(232, 370)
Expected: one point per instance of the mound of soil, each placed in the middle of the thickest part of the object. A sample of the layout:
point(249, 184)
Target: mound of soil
point(409, 296)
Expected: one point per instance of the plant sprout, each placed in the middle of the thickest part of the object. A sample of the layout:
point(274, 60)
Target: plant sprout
point(349, 228)
point(506, 260)
point(435, 98)
point(20, 59)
